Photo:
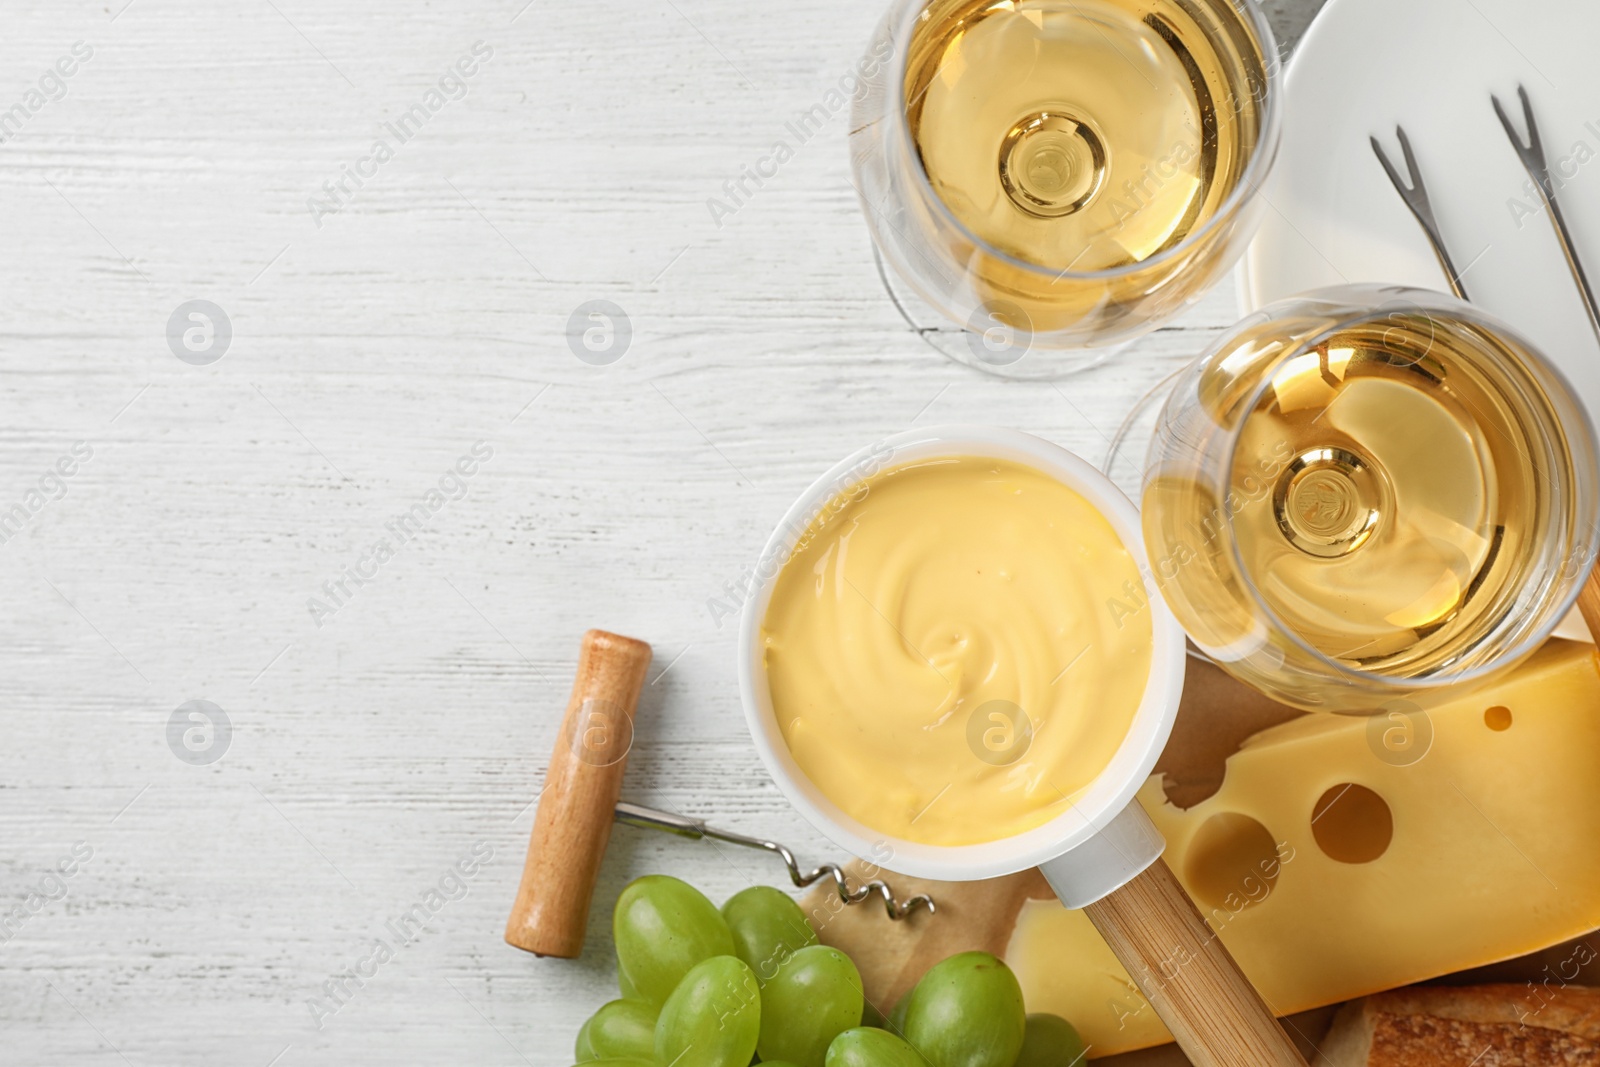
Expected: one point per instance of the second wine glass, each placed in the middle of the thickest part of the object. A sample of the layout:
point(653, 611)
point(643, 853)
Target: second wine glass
point(1363, 496)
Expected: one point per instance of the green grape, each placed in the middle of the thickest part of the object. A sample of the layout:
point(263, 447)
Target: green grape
point(767, 926)
point(624, 984)
point(662, 928)
point(621, 1028)
point(897, 1017)
point(1051, 1041)
point(713, 1018)
point(582, 1049)
point(814, 997)
point(618, 1061)
point(967, 1012)
point(866, 1047)
point(871, 1016)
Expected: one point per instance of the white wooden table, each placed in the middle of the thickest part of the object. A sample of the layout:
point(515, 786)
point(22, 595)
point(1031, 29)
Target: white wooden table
point(378, 333)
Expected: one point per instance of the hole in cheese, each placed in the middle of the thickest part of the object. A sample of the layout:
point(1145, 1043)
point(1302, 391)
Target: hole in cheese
point(1497, 717)
point(1232, 862)
point(1352, 824)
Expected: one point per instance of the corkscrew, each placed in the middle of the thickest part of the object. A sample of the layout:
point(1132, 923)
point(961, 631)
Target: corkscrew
point(580, 803)
point(651, 819)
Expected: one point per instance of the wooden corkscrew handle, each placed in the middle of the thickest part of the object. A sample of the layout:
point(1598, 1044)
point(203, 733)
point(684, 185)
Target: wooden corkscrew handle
point(1217, 1017)
point(573, 823)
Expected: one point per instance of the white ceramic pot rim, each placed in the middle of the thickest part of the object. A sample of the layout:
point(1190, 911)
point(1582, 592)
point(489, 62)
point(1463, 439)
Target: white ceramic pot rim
point(1105, 797)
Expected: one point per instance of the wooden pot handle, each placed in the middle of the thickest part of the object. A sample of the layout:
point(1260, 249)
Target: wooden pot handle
point(1186, 974)
point(573, 824)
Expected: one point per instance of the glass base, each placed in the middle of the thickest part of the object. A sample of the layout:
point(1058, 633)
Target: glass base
point(996, 350)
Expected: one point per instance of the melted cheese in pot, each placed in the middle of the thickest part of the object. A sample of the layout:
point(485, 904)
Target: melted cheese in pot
point(956, 649)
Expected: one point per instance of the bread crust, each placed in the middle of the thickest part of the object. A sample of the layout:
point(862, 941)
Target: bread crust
point(1476, 1026)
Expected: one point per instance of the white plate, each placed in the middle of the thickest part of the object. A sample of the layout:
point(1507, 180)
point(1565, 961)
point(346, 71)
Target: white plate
point(1431, 65)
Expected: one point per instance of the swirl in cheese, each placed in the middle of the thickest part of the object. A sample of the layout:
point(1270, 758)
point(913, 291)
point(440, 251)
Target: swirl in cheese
point(955, 649)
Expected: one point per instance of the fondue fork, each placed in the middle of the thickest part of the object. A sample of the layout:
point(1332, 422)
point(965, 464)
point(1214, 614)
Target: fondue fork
point(1416, 199)
point(1531, 153)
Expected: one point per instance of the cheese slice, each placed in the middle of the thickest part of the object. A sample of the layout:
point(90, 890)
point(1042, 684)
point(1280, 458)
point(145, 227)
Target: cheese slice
point(1343, 856)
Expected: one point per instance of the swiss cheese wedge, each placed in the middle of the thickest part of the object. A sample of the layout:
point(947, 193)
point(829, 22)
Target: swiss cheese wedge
point(1334, 862)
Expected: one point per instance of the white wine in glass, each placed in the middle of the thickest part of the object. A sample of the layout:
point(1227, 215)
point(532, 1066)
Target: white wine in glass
point(1079, 170)
point(1368, 494)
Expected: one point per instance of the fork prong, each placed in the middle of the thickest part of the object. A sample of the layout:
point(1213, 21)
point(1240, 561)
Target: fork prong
point(1419, 191)
point(1389, 169)
point(1529, 149)
point(1535, 145)
point(1523, 148)
point(1415, 197)
point(1411, 159)
point(1531, 153)
point(1506, 124)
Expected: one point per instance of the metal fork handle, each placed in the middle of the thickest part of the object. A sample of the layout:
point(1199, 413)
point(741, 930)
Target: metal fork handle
point(651, 819)
point(1531, 153)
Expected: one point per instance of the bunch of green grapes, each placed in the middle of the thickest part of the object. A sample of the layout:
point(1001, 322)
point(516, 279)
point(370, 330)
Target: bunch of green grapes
point(751, 984)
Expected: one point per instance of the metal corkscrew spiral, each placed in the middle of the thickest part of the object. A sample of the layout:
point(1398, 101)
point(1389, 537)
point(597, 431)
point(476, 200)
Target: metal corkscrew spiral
point(695, 829)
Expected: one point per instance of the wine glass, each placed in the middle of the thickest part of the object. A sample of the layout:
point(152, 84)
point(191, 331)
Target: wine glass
point(1062, 176)
point(1363, 495)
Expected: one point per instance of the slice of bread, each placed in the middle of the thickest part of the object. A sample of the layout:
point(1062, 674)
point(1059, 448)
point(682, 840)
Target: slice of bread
point(1470, 1026)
